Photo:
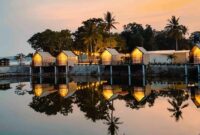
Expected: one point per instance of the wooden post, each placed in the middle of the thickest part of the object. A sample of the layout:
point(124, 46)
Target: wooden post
point(111, 80)
point(40, 70)
point(66, 70)
point(186, 70)
point(111, 71)
point(129, 70)
point(30, 70)
point(143, 74)
point(40, 79)
point(99, 71)
point(129, 80)
point(55, 70)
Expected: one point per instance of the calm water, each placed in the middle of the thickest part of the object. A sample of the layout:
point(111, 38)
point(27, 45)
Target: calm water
point(100, 106)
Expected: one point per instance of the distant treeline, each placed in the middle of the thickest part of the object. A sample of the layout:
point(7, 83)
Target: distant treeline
point(95, 34)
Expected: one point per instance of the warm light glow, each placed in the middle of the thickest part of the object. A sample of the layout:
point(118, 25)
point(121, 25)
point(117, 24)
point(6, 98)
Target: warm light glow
point(136, 56)
point(38, 90)
point(61, 59)
point(107, 93)
point(197, 99)
point(37, 60)
point(106, 58)
point(138, 94)
point(63, 90)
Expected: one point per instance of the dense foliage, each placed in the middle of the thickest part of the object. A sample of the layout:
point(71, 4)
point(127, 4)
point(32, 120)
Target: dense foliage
point(94, 35)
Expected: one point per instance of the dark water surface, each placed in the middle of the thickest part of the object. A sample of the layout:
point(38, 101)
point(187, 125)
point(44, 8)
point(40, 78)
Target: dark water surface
point(99, 106)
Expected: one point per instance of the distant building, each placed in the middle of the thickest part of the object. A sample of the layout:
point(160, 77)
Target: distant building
point(140, 56)
point(4, 86)
point(111, 57)
point(195, 54)
point(4, 62)
point(42, 59)
point(66, 58)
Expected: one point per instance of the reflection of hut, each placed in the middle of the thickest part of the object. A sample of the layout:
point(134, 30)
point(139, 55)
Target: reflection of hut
point(67, 90)
point(110, 56)
point(42, 59)
point(41, 90)
point(5, 86)
point(4, 62)
point(195, 54)
point(111, 92)
point(140, 93)
point(196, 97)
point(66, 58)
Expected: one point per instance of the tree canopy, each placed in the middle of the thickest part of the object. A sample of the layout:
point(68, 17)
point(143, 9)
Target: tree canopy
point(94, 35)
point(51, 41)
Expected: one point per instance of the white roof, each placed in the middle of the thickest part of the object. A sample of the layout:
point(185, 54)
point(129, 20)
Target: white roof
point(69, 53)
point(112, 51)
point(142, 49)
point(168, 51)
point(45, 55)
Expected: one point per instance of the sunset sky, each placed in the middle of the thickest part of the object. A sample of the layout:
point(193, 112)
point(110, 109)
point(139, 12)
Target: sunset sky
point(20, 19)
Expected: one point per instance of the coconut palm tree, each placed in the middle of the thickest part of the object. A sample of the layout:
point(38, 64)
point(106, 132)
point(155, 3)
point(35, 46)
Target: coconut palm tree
point(175, 30)
point(20, 57)
point(109, 22)
point(91, 36)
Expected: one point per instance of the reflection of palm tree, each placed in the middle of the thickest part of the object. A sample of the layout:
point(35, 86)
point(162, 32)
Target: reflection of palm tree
point(91, 102)
point(176, 110)
point(112, 123)
point(19, 89)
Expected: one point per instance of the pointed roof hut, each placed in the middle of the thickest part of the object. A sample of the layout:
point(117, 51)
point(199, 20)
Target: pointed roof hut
point(66, 58)
point(42, 59)
point(110, 56)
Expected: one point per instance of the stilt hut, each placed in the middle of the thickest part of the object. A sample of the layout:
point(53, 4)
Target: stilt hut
point(4, 62)
point(139, 56)
point(42, 59)
point(111, 57)
point(195, 54)
point(66, 58)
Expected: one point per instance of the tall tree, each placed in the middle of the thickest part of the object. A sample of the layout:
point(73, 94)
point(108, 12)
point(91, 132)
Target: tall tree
point(52, 41)
point(195, 37)
point(175, 30)
point(109, 23)
point(91, 36)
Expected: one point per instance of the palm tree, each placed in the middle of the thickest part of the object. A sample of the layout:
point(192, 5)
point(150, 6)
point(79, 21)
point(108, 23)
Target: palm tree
point(20, 57)
point(91, 36)
point(109, 22)
point(175, 30)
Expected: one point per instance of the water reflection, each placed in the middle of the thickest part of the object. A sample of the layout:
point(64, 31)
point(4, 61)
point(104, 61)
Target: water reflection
point(96, 97)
